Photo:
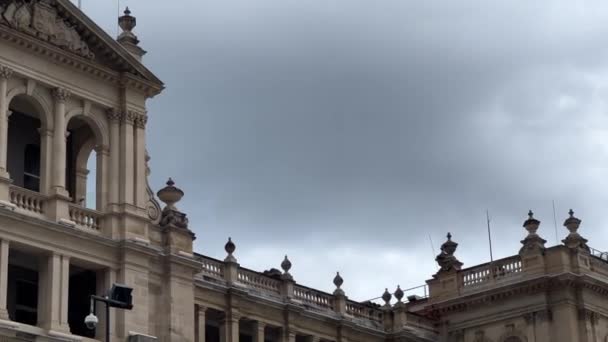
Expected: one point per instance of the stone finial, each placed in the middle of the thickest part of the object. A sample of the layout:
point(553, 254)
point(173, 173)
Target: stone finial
point(338, 281)
point(170, 215)
point(533, 243)
point(230, 247)
point(127, 38)
point(386, 297)
point(446, 259)
point(286, 266)
point(170, 195)
point(399, 294)
point(574, 240)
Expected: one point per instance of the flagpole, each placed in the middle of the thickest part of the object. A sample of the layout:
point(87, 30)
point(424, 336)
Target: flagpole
point(489, 235)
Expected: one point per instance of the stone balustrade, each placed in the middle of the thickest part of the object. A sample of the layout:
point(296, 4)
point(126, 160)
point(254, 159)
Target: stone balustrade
point(29, 201)
point(492, 272)
point(312, 297)
point(259, 282)
point(84, 217)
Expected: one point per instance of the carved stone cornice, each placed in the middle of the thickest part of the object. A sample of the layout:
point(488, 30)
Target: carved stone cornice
point(5, 72)
point(61, 95)
point(79, 63)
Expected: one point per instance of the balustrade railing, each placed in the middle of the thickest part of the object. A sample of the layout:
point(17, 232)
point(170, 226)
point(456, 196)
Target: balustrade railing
point(212, 268)
point(313, 297)
point(494, 271)
point(84, 217)
point(363, 311)
point(599, 254)
point(27, 200)
point(259, 281)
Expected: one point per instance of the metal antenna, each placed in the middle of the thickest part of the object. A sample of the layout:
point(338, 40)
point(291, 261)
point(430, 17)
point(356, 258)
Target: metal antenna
point(117, 24)
point(432, 247)
point(555, 223)
point(489, 235)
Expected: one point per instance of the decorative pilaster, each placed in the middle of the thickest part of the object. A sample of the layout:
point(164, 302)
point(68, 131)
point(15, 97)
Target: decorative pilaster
point(4, 248)
point(103, 155)
point(141, 196)
point(259, 334)
point(5, 74)
point(53, 293)
point(114, 116)
point(127, 158)
point(201, 321)
point(229, 328)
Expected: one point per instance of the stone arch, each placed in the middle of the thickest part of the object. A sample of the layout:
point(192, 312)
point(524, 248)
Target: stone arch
point(28, 151)
point(89, 134)
point(38, 100)
point(97, 125)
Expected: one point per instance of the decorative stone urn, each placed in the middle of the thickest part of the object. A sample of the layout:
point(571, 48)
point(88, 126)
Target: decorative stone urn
point(170, 195)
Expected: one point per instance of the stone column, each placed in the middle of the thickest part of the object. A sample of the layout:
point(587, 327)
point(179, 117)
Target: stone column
point(53, 293)
point(5, 181)
point(229, 328)
point(114, 173)
point(201, 312)
point(127, 158)
point(46, 158)
point(101, 180)
point(60, 95)
point(140, 160)
point(258, 331)
point(5, 74)
point(4, 247)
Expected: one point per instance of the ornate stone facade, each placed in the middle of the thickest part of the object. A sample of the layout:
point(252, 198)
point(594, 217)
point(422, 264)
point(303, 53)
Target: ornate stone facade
point(56, 250)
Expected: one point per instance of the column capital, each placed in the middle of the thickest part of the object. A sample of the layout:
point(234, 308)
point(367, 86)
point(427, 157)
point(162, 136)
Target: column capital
point(5, 72)
point(129, 117)
point(141, 120)
point(61, 95)
point(113, 115)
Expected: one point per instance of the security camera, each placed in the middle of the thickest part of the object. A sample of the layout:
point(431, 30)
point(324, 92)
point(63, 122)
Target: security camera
point(91, 321)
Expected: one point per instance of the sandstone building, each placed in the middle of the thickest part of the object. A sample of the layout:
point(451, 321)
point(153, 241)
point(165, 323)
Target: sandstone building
point(69, 94)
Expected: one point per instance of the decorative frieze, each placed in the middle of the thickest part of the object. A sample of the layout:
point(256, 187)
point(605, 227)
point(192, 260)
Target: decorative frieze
point(40, 19)
point(5, 72)
point(61, 94)
point(141, 120)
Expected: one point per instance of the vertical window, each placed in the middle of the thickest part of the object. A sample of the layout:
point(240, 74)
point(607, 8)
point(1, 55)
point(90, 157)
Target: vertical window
point(31, 168)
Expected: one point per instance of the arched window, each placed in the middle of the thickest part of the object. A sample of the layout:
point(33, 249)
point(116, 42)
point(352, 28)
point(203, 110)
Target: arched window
point(82, 173)
point(23, 154)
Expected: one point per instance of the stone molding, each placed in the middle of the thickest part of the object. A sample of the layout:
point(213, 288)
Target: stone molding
point(587, 315)
point(6, 72)
point(61, 95)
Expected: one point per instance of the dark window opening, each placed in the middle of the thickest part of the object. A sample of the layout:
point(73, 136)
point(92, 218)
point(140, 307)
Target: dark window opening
point(22, 288)
point(23, 154)
point(31, 168)
point(83, 284)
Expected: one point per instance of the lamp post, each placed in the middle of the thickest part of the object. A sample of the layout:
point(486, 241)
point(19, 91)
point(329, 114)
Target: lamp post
point(120, 298)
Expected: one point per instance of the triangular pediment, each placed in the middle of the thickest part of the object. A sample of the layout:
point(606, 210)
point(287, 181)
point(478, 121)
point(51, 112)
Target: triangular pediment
point(63, 25)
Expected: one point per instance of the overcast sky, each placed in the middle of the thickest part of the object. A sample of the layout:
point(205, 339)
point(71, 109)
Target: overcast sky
point(349, 133)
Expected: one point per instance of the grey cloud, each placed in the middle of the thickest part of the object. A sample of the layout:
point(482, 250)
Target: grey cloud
point(306, 127)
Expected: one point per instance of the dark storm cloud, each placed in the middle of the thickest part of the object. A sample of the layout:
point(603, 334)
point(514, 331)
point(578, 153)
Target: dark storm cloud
point(345, 133)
